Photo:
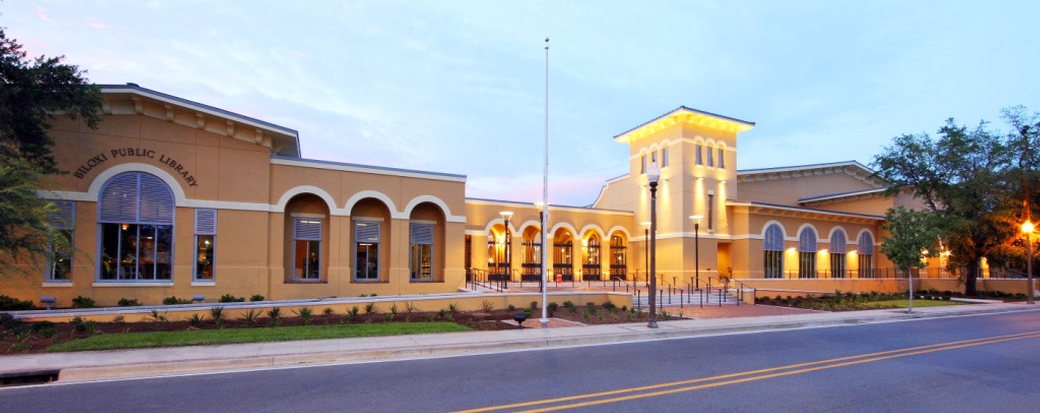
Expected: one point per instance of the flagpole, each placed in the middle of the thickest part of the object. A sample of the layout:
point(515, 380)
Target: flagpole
point(545, 199)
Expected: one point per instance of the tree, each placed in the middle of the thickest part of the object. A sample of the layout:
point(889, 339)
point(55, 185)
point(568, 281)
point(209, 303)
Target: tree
point(32, 93)
point(913, 234)
point(970, 179)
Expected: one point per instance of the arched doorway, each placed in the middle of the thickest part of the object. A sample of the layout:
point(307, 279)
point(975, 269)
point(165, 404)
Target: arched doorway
point(618, 258)
point(563, 255)
point(499, 256)
point(531, 254)
point(590, 265)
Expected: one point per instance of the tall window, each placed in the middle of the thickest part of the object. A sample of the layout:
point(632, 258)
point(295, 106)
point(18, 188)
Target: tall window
point(838, 254)
point(698, 154)
point(591, 267)
point(64, 220)
point(711, 160)
point(664, 157)
point(774, 252)
point(642, 168)
point(807, 253)
point(307, 249)
point(135, 216)
point(866, 255)
point(422, 252)
point(618, 260)
point(722, 158)
point(205, 243)
point(366, 247)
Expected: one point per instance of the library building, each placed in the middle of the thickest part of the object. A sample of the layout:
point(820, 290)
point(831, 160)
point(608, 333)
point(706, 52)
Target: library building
point(169, 197)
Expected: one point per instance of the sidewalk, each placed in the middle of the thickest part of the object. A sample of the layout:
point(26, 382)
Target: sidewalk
point(85, 366)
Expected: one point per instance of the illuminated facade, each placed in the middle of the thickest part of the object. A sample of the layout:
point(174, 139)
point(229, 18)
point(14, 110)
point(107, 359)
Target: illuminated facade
point(174, 198)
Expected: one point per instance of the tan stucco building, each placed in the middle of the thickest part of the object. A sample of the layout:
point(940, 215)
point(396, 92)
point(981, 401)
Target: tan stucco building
point(175, 198)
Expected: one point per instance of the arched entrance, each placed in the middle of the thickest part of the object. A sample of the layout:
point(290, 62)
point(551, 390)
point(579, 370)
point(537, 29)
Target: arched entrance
point(563, 255)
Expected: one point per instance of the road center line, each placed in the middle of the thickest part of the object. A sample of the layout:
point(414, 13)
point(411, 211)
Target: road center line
point(660, 389)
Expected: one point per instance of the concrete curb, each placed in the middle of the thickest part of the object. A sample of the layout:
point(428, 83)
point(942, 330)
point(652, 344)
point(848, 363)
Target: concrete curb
point(495, 343)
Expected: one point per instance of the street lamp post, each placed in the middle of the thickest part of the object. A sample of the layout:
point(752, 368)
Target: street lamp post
point(652, 176)
point(697, 249)
point(506, 241)
point(1027, 229)
point(646, 251)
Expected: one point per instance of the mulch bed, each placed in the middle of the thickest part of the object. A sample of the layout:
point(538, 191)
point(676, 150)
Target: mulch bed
point(37, 340)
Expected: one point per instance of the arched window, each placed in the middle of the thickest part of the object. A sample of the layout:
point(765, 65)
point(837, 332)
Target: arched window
point(618, 260)
point(866, 255)
point(774, 252)
point(838, 254)
point(807, 253)
point(590, 269)
point(135, 220)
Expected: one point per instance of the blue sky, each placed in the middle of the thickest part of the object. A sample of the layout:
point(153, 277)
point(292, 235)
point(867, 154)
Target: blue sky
point(458, 86)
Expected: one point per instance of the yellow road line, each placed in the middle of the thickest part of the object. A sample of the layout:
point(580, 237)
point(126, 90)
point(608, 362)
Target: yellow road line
point(742, 377)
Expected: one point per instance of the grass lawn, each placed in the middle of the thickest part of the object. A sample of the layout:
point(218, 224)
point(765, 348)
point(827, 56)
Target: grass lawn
point(918, 303)
point(250, 335)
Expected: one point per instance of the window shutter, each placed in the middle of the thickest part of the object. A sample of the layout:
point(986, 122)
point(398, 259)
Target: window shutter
point(365, 231)
point(866, 243)
point(136, 197)
point(807, 240)
point(838, 242)
point(157, 204)
point(307, 229)
point(64, 218)
point(206, 221)
point(422, 234)
point(119, 199)
point(774, 238)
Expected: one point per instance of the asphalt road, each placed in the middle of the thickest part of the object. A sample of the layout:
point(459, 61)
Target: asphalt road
point(963, 364)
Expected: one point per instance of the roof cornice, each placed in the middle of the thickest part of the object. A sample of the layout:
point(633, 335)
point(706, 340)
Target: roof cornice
point(851, 168)
point(280, 139)
point(761, 208)
point(684, 114)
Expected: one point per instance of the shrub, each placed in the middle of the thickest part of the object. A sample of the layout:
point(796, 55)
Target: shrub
point(511, 308)
point(128, 302)
point(44, 328)
point(534, 305)
point(353, 311)
point(13, 304)
point(228, 298)
point(156, 316)
point(453, 307)
point(552, 307)
point(305, 315)
point(609, 305)
point(83, 302)
point(274, 316)
point(393, 309)
point(250, 316)
point(388, 318)
point(256, 297)
point(82, 326)
point(370, 308)
point(487, 306)
point(9, 323)
point(173, 300)
point(327, 311)
point(218, 315)
point(195, 320)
